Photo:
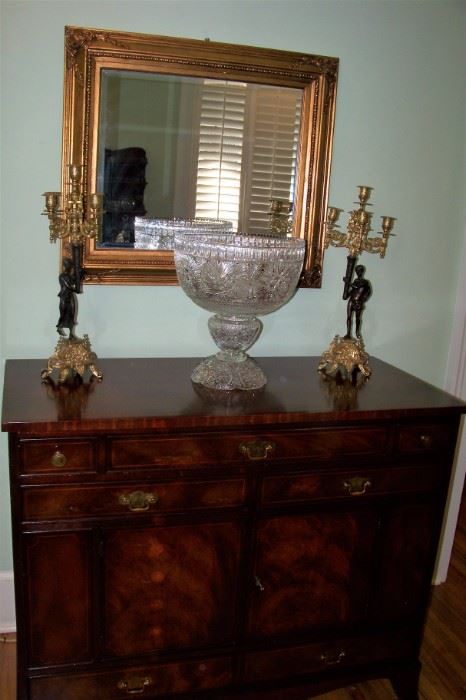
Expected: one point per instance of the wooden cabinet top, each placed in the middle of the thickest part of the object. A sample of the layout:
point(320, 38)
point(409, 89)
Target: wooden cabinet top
point(145, 394)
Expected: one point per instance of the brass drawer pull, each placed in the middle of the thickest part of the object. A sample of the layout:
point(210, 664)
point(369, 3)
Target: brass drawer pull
point(357, 486)
point(135, 685)
point(58, 459)
point(332, 659)
point(138, 501)
point(256, 450)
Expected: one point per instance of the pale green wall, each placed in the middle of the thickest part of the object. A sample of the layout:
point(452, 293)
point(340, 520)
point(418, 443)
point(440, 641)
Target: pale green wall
point(399, 127)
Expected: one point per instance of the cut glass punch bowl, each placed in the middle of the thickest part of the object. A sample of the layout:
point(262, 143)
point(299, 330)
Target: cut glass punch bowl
point(237, 277)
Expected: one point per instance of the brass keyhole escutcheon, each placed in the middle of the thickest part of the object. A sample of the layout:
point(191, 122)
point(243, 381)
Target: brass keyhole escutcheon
point(58, 459)
point(135, 685)
point(257, 450)
point(138, 501)
point(357, 485)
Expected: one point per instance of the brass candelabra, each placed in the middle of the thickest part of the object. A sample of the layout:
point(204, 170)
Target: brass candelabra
point(359, 225)
point(70, 219)
point(281, 217)
point(346, 356)
point(67, 219)
point(356, 239)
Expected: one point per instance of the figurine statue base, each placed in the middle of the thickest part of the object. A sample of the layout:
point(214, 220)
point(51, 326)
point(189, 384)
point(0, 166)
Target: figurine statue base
point(344, 358)
point(72, 356)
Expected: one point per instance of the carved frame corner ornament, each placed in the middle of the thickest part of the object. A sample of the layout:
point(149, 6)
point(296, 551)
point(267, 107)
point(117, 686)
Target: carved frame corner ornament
point(89, 51)
point(78, 39)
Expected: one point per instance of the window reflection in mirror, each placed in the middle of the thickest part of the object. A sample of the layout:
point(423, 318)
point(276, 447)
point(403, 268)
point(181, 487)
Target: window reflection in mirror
point(175, 147)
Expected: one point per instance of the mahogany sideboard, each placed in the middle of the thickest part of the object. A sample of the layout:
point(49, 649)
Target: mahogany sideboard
point(170, 543)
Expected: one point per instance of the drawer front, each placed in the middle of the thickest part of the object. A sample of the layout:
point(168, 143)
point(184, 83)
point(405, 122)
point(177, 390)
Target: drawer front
point(84, 501)
point(143, 681)
point(41, 456)
point(217, 448)
point(344, 484)
point(321, 656)
point(427, 438)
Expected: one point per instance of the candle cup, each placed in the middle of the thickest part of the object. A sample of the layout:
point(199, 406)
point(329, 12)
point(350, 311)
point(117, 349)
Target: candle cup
point(95, 201)
point(333, 214)
point(52, 201)
point(387, 224)
point(75, 172)
point(364, 193)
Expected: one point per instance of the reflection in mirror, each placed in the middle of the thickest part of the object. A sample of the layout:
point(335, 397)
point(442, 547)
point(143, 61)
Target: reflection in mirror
point(181, 148)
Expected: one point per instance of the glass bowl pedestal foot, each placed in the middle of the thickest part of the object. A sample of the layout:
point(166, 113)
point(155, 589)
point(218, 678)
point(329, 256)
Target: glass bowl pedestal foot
point(231, 368)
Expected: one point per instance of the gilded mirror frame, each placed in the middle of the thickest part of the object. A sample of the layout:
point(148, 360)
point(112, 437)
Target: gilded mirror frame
point(87, 51)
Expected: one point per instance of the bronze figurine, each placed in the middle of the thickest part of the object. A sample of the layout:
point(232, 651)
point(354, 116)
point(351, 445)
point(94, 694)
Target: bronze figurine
point(67, 295)
point(358, 293)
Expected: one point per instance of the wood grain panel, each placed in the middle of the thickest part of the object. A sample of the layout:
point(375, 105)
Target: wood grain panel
point(157, 393)
point(84, 501)
point(330, 485)
point(216, 448)
point(141, 681)
point(312, 571)
point(38, 455)
point(405, 555)
point(425, 438)
point(170, 587)
point(320, 656)
point(58, 591)
point(443, 674)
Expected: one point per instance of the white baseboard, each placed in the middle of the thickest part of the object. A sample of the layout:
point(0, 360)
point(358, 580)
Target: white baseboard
point(7, 602)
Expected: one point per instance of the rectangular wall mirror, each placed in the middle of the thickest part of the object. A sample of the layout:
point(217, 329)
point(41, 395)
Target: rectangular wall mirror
point(172, 130)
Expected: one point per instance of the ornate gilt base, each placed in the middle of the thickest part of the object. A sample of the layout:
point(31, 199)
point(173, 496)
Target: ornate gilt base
point(72, 357)
point(344, 358)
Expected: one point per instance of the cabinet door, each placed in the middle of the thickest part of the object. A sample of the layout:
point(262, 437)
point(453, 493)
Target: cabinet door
point(312, 570)
point(58, 597)
point(170, 587)
point(407, 556)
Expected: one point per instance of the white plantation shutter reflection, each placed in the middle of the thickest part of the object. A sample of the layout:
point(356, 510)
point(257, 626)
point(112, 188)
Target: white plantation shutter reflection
point(270, 174)
point(220, 150)
point(247, 151)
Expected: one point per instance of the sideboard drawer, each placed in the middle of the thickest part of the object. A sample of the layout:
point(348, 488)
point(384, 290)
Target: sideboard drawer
point(347, 484)
point(142, 681)
point(218, 448)
point(320, 656)
point(425, 438)
point(59, 455)
point(57, 502)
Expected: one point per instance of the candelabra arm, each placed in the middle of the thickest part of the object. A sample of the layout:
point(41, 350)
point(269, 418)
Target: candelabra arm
point(376, 245)
point(335, 238)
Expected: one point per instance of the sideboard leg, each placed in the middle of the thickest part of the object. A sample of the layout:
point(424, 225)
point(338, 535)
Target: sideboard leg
point(405, 681)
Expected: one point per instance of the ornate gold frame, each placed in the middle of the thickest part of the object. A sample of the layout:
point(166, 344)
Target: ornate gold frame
point(87, 51)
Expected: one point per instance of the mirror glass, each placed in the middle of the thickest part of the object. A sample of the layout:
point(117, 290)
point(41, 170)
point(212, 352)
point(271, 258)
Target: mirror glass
point(174, 147)
point(174, 130)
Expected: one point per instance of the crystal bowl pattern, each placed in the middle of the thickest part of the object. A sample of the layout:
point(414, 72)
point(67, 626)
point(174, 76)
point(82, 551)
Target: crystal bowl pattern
point(237, 277)
point(158, 234)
